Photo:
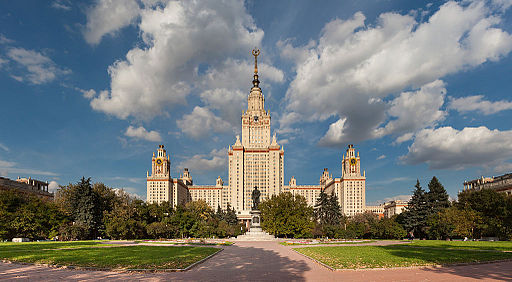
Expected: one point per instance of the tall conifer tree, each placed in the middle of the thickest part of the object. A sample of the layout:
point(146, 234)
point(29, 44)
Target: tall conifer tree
point(415, 218)
point(437, 197)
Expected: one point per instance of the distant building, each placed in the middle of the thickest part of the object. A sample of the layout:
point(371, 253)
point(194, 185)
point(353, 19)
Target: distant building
point(394, 207)
point(27, 186)
point(502, 183)
point(378, 210)
point(161, 186)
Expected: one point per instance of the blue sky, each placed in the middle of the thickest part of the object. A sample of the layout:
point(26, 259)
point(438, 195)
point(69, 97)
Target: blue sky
point(91, 88)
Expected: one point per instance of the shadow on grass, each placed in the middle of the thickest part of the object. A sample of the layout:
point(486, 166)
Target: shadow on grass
point(235, 263)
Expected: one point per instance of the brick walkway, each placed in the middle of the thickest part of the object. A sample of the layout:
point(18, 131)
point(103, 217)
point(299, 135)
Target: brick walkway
point(264, 261)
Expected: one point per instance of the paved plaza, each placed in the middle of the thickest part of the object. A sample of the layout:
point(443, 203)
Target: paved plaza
point(264, 261)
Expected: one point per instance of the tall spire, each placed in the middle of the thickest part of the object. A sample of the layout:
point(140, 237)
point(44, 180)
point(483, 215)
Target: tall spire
point(255, 53)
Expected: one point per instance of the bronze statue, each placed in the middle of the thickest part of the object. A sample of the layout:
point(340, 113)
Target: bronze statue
point(255, 198)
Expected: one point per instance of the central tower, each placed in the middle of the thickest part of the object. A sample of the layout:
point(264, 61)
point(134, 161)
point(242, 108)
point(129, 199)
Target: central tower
point(256, 160)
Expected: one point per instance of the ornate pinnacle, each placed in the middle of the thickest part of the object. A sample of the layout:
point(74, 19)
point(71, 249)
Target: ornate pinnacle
point(255, 53)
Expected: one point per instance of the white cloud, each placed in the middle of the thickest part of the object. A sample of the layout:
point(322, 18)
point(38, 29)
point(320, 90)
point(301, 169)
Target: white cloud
point(503, 168)
point(230, 82)
point(5, 40)
point(3, 147)
point(181, 39)
point(108, 16)
point(2, 61)
point(7, 167)
point(389, 181)
point(130, 191)
point(476, 103)
point(88, 94)
point(141, 133)
point(61, 5)
point(406, 198)
point(53, 186)
point(40, 68)
point(381, 157)
point(353, 66)
point(215, 160)
point(449, 148)
point(335, 134)
point(415, 110)
point(202, 122)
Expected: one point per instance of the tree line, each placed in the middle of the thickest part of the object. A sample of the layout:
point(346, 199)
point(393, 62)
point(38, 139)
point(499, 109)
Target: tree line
point(288, 215)
point(88, 211)
point(430, 215)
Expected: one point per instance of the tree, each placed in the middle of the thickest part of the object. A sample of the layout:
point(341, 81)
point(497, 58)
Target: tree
point(327, 209)
point(287, 215)
point(388, 228)
point(28, 216)
point(415, 217)
point(453, 222)
point(125, 221)
point(437, 197)
point(321, 208)
point(368, 221)
point(230, 216)
point(494, 209)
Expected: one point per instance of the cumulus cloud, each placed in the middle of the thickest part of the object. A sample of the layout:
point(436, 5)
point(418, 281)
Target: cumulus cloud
point(381, 157)
point(449, 148)
point(415, 110)
point(108, 16)
point(231, 81)
point(141, 133)
point(181, 40)
point(202, 122)
point(215, 160)
point(38, 68)
point(352, 67)
point(53, 186)
point(478, 104)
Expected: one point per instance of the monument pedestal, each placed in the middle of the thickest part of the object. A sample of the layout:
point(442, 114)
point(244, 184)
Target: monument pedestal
point(255, 232)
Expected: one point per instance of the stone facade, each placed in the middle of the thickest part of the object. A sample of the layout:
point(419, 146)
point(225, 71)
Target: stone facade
point(27, 186)
point(161, 187)
point(256, 160)
point(502, 183)
point(394, 207)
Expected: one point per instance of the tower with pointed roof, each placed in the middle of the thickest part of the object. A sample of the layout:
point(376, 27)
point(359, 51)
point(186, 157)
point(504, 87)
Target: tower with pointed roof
point(257, 159)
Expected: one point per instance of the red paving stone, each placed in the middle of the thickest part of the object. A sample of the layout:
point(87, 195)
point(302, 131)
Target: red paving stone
point(264, 261)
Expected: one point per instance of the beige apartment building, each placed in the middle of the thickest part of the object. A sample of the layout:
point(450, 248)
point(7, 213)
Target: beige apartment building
point(256, 159)
point(395, 207)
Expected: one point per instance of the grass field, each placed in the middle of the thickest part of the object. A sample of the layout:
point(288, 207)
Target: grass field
point(87, 254)
point(353, 257)
point(470, 245)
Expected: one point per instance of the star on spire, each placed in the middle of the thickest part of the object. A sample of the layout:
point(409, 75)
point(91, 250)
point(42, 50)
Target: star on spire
point(256, 53)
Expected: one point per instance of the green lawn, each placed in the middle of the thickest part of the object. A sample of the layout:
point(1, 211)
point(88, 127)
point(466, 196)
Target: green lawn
point(353, 257)
point(86, 255)
point(34, 246)
point(470, 245)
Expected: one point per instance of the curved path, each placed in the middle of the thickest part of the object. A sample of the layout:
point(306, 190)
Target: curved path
point(263, 261)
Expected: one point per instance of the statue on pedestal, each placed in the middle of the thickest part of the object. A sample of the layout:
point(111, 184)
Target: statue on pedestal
point(255, 198)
